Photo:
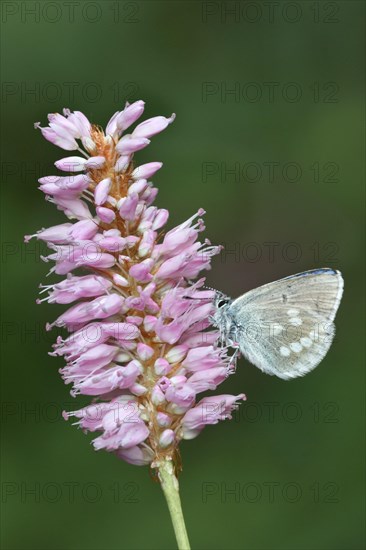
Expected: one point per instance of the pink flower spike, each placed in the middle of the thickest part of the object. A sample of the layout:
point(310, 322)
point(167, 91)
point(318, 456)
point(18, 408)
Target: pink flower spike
point(141, 343)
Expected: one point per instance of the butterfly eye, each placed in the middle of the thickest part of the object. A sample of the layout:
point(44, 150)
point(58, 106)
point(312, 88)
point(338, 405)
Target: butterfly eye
point(222, 303)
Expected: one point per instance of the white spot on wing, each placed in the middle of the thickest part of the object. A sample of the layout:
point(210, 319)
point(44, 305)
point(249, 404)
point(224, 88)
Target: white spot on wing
point(285, 352)
point(295, 347)
point(306, 342)
point(277, 329)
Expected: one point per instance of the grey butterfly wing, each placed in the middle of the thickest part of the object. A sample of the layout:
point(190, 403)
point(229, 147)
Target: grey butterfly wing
point(285, 328)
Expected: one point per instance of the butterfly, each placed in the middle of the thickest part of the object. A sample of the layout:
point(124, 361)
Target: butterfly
point(285, 328)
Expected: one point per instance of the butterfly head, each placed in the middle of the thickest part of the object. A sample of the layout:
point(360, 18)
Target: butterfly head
point(221, 300)
point(221, 303)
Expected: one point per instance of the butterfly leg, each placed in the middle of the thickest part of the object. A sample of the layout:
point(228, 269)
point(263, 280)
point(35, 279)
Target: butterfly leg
point(232, 341)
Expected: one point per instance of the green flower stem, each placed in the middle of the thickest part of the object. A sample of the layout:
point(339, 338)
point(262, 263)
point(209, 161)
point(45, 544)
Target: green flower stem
point(170, 486)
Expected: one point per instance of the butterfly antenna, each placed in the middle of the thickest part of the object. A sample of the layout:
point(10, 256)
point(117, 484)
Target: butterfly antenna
point(210, 288)
point(205, 288)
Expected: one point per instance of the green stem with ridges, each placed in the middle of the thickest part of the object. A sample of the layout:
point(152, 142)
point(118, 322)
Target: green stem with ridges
point(170, 486)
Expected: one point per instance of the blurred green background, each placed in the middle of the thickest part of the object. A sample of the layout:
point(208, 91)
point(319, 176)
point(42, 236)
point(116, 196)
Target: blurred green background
point(274, 91)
